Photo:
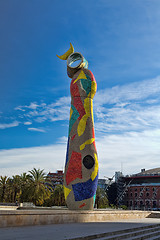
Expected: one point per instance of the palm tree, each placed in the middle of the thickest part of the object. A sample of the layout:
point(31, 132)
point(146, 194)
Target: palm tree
point(38, 190)
point(25, 183)
point(101, 198)
point(9, 191)
point(16, 187)
point(3, 187)
point(58, 196)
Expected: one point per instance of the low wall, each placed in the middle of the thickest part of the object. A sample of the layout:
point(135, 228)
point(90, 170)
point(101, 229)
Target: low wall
point(43, 217)
point(8, 207)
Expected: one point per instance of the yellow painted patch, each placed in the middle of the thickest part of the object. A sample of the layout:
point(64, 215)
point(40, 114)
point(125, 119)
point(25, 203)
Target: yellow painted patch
point(93, 89)
point(92, 112)
point(71, 111)
point(94, 173)
point(83, 121)
point(89, 141)
point(80, 76)
point(66, 191)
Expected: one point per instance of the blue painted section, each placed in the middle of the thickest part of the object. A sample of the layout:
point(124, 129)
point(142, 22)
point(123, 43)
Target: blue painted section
point(86, 63)
point(86, 84)
point(67, 150)
point(85, 190)
point(74, 117)
point(94, 199)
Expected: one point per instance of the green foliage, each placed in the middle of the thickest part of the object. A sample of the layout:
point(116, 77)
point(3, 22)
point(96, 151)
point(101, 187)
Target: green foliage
point(3, 188)
point(113, 206)
point(124, 207)
point(38, 190)
point(101, 198)
point(30, 187)
point(56, 198)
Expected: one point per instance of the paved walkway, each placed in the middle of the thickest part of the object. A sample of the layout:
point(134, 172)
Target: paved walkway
point(68, 231)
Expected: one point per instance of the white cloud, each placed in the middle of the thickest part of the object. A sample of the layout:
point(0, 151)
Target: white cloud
point(56, 111)
point(33, 105)
point(20, 108)
point(9, 125)
point(63, 140)
point(117, 108)
point(27, 123)
point(40, 119)
point(36, 129)
point(131, 118)
point(135, 150)
point(132, 107)
point(129, 92)
point(19, 160)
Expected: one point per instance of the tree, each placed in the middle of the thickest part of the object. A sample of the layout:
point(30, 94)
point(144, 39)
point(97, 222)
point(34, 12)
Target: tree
point(112, 194)
point(58, 196)
point(16, 187)
point(3, 187)
point(38, 190)
point(25, 185)
point(101, 198)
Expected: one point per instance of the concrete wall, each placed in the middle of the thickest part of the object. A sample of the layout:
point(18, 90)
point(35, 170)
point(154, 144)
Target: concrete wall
point(8, 207)
point(42, 217)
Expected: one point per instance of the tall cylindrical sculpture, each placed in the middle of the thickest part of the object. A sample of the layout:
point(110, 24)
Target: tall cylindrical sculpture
point(81, 167)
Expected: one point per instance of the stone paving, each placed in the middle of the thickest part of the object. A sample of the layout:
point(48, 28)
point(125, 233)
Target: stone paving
point(68, 231)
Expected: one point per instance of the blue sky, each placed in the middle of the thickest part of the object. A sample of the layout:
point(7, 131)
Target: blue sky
point(120, 40)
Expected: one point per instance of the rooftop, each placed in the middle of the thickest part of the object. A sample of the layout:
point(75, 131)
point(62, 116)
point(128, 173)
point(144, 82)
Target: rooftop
point(150, 173)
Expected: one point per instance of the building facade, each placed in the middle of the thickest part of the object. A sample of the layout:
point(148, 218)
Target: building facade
point(55, 178)
point(142, 190)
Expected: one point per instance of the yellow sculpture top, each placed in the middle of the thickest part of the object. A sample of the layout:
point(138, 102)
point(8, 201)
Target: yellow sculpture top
point(67, 54)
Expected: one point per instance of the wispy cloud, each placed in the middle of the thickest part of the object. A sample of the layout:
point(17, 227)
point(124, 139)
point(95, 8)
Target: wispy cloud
point(16, 161)
point(129, 107)
point(32, 105)
point(36, 130)
point(42, 112)
point(27, 123)
point(132, 107)
point(135, 150)
point(9, 125)
point(129, 92)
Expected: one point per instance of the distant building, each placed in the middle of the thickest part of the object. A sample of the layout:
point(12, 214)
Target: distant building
point(55, 178)
point(140, 191)
point(102, 183)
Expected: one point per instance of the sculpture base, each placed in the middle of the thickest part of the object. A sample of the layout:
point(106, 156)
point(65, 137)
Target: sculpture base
point(42, 217)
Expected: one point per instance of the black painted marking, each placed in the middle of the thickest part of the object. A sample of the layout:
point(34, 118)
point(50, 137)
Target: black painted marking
point(88, 161)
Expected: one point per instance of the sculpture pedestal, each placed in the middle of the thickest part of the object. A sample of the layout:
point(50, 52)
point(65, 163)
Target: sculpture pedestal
point(43, 217)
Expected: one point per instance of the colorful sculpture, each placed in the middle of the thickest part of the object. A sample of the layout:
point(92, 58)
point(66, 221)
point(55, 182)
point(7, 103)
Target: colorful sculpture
point(81, 168)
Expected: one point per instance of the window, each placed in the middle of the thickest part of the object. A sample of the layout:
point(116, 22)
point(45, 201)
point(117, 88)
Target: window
point(147, 194)
point(147, 203)
point(154, 204)
point(147, 189)
point(131, 194)
point(135, 195)
point(135, 189)
point(141, 203)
